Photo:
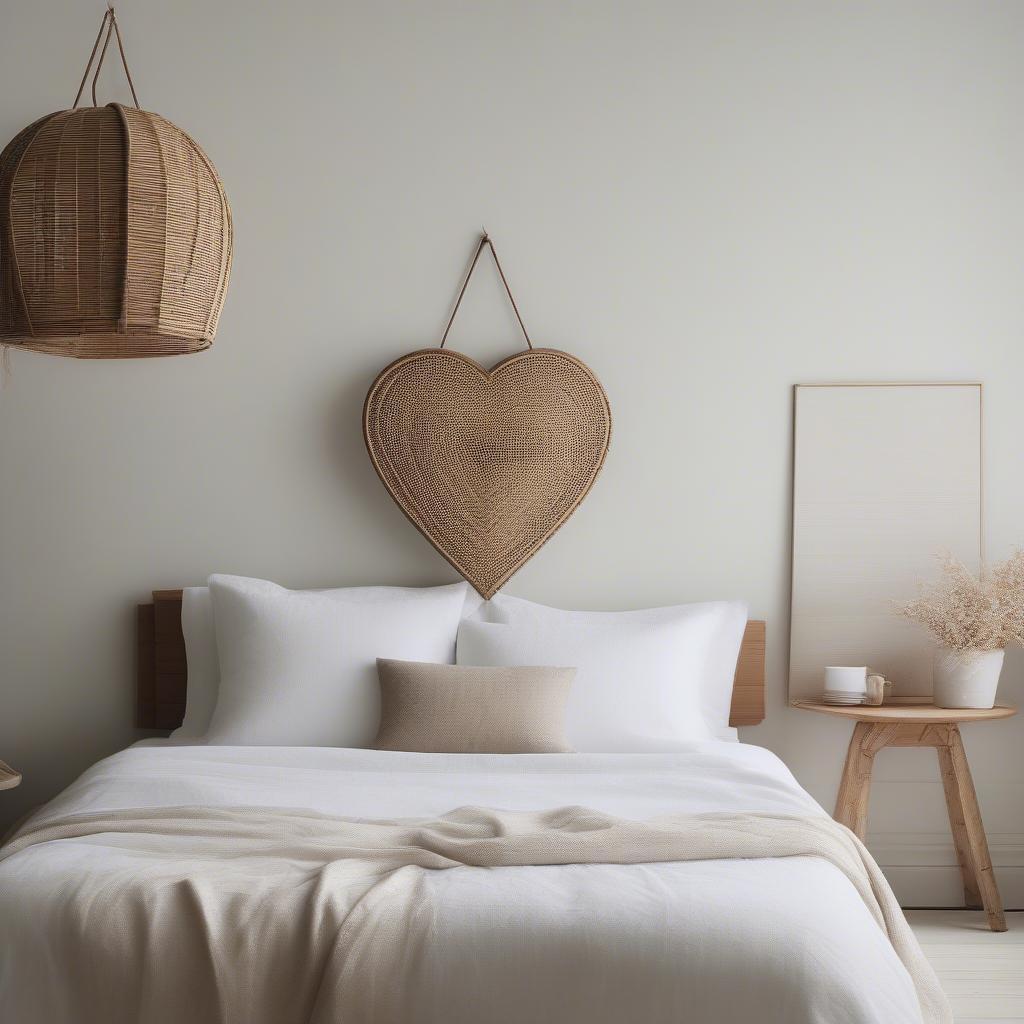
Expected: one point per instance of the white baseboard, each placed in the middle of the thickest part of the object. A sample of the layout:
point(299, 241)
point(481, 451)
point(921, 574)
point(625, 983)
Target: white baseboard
point(922, 868)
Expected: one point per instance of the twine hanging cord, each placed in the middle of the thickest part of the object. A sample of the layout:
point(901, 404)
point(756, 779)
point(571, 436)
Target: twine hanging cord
point(485, 240)
point(109, 23)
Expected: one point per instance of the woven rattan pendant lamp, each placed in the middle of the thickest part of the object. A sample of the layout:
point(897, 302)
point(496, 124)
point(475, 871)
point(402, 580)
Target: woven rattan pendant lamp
point(115, 232)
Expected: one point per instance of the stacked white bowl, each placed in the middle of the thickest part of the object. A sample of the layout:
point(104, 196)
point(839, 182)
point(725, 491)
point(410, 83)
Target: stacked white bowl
point(845, 684)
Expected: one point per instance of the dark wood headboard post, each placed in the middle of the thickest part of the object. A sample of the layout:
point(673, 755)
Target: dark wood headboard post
point(162, 672)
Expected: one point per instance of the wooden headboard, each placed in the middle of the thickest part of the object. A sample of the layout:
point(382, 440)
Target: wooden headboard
point(163, 675)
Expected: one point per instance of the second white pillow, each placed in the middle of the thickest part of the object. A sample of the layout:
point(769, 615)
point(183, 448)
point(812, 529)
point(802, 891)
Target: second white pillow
point(298, 668)
point(726, 621)
point(637, 684)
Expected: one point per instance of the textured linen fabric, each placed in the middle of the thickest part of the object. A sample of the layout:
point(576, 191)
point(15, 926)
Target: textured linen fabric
point(725, 621)
point(452, 709)
point(203, 664)
point(358, 914)
point(637, 686)
point(298, 667)
point(779, 940)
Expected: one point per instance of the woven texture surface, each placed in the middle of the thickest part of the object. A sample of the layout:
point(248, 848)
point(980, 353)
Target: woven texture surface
point(115, 237)
point(469, 709)
point(487, 464)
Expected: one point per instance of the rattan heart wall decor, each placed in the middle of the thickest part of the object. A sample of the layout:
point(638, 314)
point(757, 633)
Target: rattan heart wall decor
point(487, 464)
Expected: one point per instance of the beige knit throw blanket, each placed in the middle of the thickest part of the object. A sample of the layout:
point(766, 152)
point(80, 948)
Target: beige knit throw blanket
point(265, 915)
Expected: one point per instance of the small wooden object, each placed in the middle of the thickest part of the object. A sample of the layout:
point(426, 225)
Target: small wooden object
point(9, 778)
point(162, 672)
point(923, 725)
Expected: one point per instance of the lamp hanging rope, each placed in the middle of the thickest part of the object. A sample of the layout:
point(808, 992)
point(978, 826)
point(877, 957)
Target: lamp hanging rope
point(115, 232)
point(92, 57)
point(110, 24)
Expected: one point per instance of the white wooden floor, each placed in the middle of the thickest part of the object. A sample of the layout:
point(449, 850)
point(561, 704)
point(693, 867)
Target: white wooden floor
point(981, 971)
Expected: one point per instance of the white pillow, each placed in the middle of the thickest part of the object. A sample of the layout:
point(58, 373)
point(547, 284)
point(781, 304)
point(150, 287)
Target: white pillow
point(200, 661)
point(298, 668)
point(724, 621)
point(637, 684)
point(202, 664)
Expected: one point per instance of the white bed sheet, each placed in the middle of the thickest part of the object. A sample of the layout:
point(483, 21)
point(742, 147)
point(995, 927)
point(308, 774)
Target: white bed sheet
point(772, 940)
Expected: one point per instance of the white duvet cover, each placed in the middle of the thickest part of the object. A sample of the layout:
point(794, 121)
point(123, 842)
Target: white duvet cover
point(784, 940)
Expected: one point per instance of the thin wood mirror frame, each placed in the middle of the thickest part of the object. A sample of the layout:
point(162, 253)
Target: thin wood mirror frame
point(927, 458)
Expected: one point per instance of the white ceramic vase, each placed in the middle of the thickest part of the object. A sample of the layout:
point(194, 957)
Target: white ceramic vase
point(966, 679)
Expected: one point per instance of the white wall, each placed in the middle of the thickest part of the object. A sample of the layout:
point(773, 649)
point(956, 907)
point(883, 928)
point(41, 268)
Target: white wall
point(707, 202)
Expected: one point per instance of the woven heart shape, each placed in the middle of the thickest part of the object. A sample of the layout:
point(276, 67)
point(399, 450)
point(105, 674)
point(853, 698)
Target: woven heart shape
point(487, 464)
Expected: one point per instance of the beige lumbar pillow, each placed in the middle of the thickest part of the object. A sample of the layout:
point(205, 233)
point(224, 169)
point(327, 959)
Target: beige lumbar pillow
point(465, 709)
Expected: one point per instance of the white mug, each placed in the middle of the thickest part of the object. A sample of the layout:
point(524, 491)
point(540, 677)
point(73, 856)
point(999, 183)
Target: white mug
point(849, 678)
point(857, 679)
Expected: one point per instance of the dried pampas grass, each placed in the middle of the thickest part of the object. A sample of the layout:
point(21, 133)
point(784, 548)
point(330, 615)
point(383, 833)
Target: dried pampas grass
point(965, 612)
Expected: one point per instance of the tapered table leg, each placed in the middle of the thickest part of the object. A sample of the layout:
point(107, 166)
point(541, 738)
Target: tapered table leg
point(855, 785)
point(965, 816)
point(958, 826)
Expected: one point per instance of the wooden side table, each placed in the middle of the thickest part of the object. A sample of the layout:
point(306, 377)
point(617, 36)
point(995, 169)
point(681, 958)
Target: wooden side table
point(923, 725)
point(9, 778)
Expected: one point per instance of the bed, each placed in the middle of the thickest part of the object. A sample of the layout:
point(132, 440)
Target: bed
point(218, 883)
